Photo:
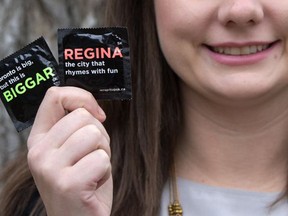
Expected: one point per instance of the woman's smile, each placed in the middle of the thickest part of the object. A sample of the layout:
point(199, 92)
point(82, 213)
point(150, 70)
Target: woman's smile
point(230, 53)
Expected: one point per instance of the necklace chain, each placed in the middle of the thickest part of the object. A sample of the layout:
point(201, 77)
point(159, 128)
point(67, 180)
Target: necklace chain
point(174, 208)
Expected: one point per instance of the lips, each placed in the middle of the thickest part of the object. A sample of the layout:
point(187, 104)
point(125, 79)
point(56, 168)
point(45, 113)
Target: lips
point(236, 54)
point(239, 50)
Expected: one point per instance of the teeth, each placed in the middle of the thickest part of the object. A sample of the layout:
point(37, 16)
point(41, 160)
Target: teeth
point(235, 51)
point(246, 50)
point(253, 49)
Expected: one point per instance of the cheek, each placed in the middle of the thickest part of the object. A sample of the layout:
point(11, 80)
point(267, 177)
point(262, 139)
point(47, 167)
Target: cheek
point(278, 13)
point(182, 25)
point(182, 19)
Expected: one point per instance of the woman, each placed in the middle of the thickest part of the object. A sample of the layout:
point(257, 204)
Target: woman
point(209, 106)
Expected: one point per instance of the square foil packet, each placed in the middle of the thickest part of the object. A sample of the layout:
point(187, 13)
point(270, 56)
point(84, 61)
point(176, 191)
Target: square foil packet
point(96, 59)
point(25, 77)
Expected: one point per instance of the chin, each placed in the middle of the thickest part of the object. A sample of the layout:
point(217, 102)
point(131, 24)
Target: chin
point(244, 94)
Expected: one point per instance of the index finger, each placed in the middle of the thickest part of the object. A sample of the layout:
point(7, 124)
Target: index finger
point(59, 100)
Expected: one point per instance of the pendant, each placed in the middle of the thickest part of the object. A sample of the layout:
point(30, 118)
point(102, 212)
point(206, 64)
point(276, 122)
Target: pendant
point(175, 209)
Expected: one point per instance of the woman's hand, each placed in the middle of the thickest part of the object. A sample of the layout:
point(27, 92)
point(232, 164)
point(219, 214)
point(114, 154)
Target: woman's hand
point(69, 154)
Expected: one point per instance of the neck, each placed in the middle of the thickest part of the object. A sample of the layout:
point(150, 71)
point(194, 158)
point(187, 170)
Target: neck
point(241, 147)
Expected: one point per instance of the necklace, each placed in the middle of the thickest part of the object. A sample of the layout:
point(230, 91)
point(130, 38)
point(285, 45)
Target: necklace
point(174, 208)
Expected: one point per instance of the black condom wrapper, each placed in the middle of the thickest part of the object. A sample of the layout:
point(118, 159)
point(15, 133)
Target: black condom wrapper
point(25, 77)
point(97, 60)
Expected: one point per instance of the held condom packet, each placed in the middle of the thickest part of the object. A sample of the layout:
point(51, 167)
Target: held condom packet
point(97, 60)
point(25, 77)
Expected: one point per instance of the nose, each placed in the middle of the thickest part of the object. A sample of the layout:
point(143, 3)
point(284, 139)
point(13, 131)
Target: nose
point(240, 12)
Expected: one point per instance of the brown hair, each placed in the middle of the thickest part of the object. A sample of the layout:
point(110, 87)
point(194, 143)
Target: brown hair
point(142, 130)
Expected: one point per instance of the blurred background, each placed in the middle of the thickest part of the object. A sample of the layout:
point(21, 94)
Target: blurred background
point(21, 22)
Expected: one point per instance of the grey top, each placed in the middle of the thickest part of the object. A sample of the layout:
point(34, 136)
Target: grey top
point(203, 200)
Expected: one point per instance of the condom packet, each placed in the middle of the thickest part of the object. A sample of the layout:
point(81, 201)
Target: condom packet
point(25, 77)
point(96, 59)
